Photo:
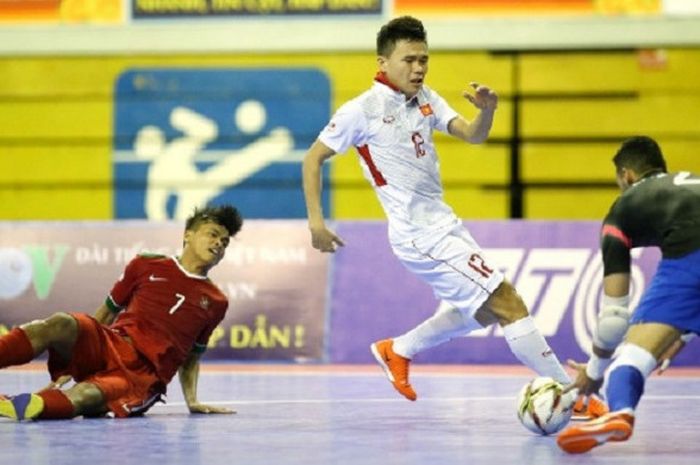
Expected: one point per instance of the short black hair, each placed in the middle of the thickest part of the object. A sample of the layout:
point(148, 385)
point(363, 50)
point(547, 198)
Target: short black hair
point(402, 28)
point(225, 215)
point(641, 154)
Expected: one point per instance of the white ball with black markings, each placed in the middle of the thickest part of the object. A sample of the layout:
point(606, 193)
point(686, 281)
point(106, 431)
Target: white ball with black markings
point(542, 406)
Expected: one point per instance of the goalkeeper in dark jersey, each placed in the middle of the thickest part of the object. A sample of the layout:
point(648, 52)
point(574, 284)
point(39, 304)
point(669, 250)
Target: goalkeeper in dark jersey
point(659, 209)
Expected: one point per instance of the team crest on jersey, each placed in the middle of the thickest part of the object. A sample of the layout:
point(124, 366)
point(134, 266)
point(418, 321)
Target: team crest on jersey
point(426, 109)
point(204, 302)
point(388, 119)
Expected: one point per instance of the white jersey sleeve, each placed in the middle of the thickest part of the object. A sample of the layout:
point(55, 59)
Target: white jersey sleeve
point(347, 127)
point(444, 113)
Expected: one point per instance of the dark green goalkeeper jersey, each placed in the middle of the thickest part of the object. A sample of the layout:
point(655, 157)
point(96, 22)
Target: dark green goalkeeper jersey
point(662, 210)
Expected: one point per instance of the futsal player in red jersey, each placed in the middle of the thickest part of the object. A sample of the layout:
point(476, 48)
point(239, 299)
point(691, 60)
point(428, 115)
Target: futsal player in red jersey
point(155, 322)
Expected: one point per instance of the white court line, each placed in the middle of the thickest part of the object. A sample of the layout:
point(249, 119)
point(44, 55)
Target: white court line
point(362, 374)
point(415, 374)
point(392, 400)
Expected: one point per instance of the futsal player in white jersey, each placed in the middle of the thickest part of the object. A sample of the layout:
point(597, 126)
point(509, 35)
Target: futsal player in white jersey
point(391, 126)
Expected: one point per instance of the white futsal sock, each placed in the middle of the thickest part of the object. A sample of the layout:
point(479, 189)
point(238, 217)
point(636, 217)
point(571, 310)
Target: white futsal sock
point(530, 347)
point(441, 327)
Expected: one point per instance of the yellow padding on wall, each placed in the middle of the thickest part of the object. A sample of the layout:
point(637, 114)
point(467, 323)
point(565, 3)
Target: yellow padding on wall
point(584, 162)
point(72, 120)
point(19, 165)
point(666, 71)
point(658, 115)
point(550, 203)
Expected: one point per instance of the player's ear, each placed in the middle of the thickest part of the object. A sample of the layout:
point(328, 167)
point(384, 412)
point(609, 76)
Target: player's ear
point(186, 238)
point(381, 62)
point(629, 176)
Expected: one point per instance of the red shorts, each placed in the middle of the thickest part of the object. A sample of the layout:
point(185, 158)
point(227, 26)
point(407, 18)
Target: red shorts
point(104, 358)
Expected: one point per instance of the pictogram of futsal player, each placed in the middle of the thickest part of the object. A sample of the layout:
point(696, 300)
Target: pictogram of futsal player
point(155, 323)
point(173, 170)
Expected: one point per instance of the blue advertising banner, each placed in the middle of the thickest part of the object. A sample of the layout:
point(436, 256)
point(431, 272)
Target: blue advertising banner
point(291, 302)
point(555, 266)
point(215, 8)
point(185, 138)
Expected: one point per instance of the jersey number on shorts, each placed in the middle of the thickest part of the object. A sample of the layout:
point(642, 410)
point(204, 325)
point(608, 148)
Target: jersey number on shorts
point(180, 300)
point(476, 263)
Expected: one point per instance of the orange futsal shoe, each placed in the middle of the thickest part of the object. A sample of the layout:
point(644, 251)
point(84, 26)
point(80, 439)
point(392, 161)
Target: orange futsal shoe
point(395, 367)
point(614, 426)
point(589, 408)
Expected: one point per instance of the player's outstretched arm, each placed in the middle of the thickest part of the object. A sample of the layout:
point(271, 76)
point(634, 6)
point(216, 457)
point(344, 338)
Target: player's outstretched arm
point(476, 131)
point(582, 384)
point(189, 375)
point(610, 330)
point(322, 238)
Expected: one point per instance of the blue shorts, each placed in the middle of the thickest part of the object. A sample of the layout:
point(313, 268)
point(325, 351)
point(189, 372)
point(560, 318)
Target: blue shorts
point(673, 297)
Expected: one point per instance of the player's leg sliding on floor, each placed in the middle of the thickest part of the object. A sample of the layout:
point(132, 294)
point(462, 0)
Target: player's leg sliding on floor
point(624, 388)
point(613, 426)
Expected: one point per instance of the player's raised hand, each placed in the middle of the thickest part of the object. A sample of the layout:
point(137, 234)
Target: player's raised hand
point(201, 408)
point(325, 240)
point(483, 97)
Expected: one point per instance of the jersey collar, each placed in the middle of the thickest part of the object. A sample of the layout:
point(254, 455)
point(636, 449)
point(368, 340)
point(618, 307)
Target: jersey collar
point(185, 272)
point(381, 78)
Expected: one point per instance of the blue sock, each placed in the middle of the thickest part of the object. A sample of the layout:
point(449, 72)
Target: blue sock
point(625, 388)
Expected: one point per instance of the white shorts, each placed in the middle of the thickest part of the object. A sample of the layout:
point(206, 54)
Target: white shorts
point(455, 267)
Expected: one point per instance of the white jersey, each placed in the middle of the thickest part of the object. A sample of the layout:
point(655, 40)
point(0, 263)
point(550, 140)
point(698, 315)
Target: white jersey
point(394, 138)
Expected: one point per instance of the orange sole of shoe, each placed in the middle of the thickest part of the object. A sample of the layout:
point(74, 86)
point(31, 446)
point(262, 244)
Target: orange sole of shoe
point(577, 446)
point(616, 431)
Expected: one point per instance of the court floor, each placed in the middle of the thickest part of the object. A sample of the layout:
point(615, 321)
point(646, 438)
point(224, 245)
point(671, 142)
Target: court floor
point(330, 414)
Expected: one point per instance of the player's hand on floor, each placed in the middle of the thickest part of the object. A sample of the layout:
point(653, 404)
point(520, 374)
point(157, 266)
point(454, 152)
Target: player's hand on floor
point(201, 408)
point(325, 240)
point(582, 383)
point(58, 384)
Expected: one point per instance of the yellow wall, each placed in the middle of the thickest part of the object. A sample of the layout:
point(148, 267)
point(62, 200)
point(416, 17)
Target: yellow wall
point(56, 127)
point(579, 106)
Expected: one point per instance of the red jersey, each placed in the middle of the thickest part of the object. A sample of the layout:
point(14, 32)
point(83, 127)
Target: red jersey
point(168, 311)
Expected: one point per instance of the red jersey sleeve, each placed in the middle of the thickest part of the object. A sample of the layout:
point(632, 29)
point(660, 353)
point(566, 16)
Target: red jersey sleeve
point(200, 344)
point(126, 285)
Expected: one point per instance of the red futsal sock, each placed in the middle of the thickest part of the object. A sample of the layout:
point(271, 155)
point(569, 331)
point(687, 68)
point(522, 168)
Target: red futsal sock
point(57, 406)
point(15, 348)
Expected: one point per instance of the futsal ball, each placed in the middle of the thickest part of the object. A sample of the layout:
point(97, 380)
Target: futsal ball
point(543, 408)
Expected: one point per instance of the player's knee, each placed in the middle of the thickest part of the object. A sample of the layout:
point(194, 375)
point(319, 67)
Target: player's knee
point(61, 325)
point(613, 322)
point(506, 305)
point(87, 398)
